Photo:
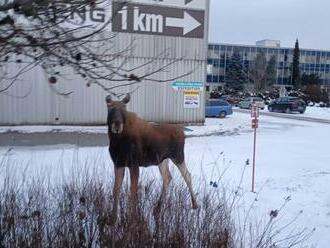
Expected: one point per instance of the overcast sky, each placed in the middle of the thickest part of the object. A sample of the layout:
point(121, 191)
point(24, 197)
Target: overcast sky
point(245, 21)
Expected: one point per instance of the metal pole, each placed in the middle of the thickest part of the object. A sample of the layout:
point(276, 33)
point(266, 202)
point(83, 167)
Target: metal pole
point(254, 155)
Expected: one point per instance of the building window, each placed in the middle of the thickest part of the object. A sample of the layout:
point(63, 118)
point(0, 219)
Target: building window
point(209, 68)
point(207, 88)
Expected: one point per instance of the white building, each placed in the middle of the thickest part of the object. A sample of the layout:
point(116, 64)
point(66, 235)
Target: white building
point(180, 29)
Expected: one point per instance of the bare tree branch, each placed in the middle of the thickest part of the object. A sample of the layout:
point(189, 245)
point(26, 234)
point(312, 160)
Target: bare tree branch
point(46, 33)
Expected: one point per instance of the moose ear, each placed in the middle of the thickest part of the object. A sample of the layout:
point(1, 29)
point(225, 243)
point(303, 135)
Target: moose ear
point(126, 98)
point(108, 99)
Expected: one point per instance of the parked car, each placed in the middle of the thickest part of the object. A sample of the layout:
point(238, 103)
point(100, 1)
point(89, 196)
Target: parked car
point(287, 104)
point(233, 100)
point(247, 103)
point(218, 108)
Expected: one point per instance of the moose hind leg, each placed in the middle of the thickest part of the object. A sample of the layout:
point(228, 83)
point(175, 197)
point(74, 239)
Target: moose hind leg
point(166, 176)
point(119, 176)
point(187, 178)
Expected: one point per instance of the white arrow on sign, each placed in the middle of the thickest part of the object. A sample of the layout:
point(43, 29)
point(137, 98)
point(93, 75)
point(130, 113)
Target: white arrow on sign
point(188, 23)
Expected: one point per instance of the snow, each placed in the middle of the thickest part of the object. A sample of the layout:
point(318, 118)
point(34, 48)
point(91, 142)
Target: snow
point(46, 129)
point(322, 113)
point(212, 127)
point(292, 161)
point(313, 112)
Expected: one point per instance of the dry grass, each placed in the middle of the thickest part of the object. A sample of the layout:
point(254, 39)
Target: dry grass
point(72, 216)
point(77, 214)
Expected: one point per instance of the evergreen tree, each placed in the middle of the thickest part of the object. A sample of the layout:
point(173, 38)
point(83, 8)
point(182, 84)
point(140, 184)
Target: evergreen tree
point(311, 87)
point(310, 79)
point(235, 74)
point(295, 76)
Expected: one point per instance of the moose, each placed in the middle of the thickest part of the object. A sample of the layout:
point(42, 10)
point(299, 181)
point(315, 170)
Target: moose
point(135, 143)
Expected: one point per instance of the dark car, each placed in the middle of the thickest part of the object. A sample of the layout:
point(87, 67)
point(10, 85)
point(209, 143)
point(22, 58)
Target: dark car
point(287, 105)
point(217, 107)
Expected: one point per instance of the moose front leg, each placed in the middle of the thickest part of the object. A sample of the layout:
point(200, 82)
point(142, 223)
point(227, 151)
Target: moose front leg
point(187, 177)
point(134, 175)
point(119, 176)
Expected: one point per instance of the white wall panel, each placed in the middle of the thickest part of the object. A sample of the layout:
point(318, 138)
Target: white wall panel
point(153, 101)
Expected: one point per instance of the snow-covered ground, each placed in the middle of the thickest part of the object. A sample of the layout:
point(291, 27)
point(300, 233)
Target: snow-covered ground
point(322, 113)
point(293, 160)
point(211, 126)
point(313, 112)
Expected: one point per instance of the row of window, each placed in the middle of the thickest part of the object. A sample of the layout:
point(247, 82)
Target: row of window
point(244, 49)
point(221, 63)
point(280, 80)
point(321, 68)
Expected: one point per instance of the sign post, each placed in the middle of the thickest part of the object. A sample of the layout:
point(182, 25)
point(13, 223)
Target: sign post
point(255, 124)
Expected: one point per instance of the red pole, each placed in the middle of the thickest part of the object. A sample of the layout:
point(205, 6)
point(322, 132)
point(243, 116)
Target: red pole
point(254, 154)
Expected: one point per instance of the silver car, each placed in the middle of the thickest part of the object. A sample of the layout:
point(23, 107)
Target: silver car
point(247, 102)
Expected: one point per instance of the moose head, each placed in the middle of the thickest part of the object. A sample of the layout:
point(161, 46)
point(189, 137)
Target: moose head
point(117, 114)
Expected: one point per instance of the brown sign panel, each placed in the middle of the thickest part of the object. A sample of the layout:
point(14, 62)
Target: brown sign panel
point(157, 20)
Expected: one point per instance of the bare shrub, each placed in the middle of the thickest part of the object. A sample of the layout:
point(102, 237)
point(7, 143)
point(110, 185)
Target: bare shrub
point(76, 213)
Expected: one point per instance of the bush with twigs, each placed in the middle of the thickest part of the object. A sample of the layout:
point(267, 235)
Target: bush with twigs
point(77, 214)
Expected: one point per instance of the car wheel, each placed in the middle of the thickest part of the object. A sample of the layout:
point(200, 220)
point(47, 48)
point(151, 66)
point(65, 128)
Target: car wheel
point(222, 114)
point(270, 109)
point(301, 112)
point(288, 111)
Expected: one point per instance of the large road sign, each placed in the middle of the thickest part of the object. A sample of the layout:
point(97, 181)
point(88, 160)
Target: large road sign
point(157, 19)
point(188, 4)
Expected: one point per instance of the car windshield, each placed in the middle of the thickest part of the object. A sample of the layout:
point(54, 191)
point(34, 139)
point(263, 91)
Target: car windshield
point(216, 103)
point(294, 99)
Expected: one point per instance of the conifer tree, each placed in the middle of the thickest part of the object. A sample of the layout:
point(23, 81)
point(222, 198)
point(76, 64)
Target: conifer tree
point(235, 74)
point(295, 67)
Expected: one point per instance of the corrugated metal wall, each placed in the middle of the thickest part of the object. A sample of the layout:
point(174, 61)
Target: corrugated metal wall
point(31, 100)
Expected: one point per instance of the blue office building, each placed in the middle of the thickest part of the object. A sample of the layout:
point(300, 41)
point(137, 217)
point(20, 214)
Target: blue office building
point(311, 62)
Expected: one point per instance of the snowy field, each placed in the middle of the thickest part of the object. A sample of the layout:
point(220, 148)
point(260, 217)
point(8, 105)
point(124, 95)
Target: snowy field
point(293, 162)
point(211, 125)
point(322, 113)
point(313, 112)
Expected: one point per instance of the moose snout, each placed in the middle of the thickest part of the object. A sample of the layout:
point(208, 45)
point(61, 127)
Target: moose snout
point(116, 127)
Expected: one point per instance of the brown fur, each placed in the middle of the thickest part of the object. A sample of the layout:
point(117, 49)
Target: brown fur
point(145, 144)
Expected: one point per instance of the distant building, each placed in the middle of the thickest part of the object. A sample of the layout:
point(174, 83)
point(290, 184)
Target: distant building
point(311, 62)
point(268, 43)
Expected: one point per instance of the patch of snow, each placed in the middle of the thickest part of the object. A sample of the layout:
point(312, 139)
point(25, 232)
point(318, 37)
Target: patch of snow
point(231, 125)
point(54, 129)
point(213, 126)
point(317, 112)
